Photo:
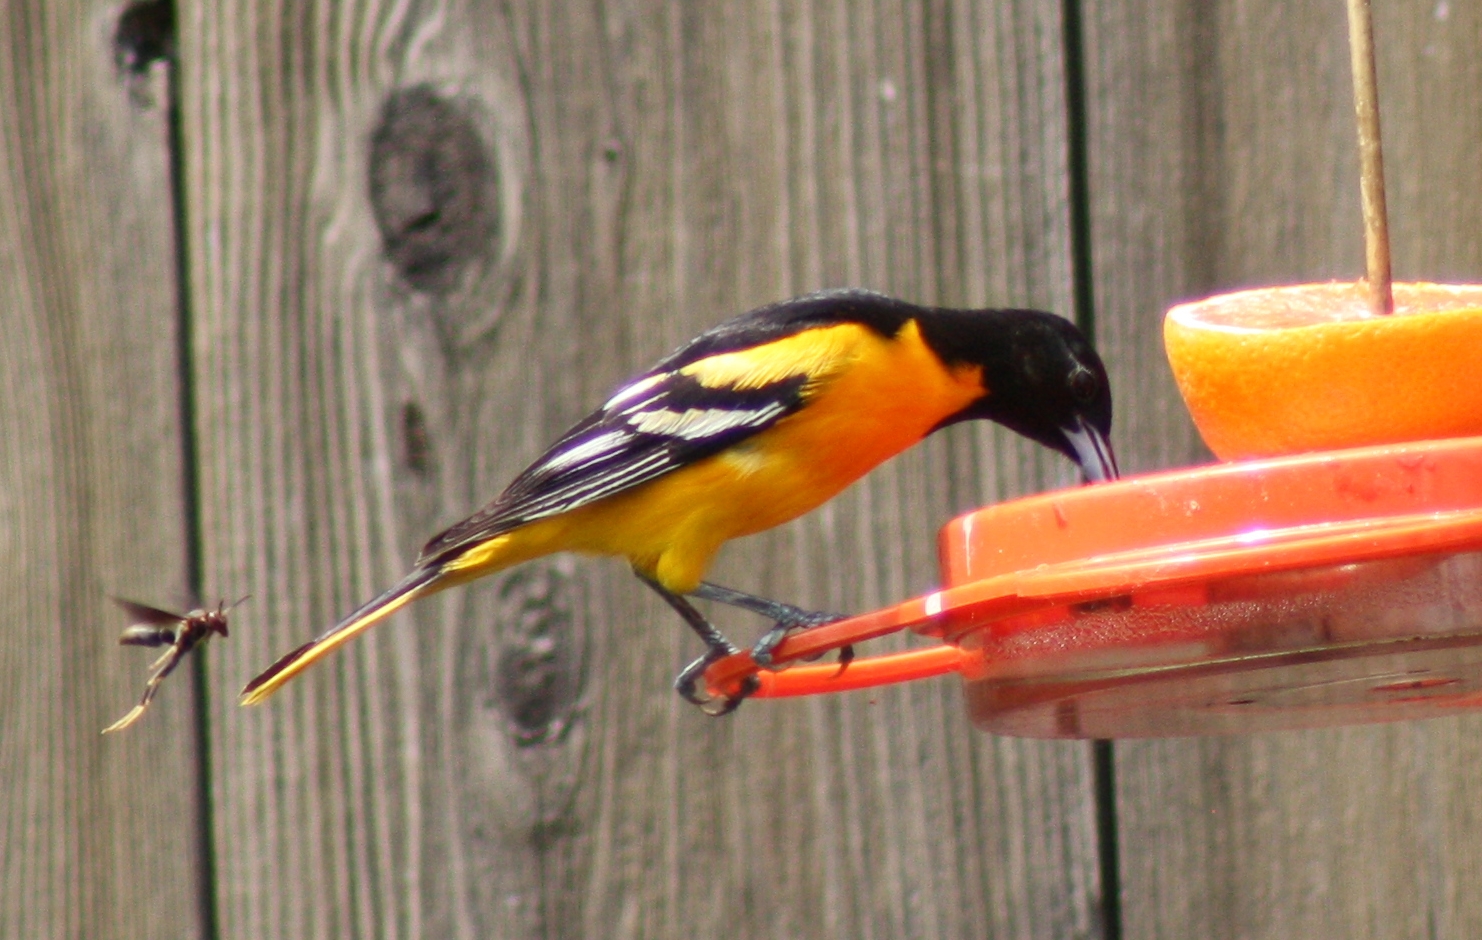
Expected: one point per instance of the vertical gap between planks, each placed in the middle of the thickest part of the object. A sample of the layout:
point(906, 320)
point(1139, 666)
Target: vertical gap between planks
point(1104, 782)
point(1103, 757)
point(190, 491)
point(1078, 168)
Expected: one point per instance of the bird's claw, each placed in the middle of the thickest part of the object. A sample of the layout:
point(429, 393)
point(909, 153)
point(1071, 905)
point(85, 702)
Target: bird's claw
point(762, 652)
point(690, 678)
point(846, 656)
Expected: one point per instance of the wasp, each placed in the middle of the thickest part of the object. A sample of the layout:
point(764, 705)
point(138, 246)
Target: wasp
point(180, 632)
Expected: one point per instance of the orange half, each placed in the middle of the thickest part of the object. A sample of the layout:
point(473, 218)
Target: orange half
point(1283, 370)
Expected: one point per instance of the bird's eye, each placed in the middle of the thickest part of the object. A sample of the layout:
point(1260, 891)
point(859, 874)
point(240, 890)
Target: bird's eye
point(1083, 386)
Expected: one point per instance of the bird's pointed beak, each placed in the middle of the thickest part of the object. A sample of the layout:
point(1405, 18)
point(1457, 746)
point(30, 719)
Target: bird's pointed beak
point(1092, 451)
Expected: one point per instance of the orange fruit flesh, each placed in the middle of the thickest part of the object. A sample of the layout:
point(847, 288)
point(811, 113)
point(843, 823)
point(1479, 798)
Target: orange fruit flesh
point(1283, 370)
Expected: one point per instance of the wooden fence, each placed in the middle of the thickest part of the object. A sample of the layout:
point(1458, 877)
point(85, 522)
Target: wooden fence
point(377, 254)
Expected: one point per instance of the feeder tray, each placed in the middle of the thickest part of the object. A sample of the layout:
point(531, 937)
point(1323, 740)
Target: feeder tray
point(1339, 587)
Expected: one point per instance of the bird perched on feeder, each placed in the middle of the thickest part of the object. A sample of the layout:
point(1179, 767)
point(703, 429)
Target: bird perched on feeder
point(751, 424)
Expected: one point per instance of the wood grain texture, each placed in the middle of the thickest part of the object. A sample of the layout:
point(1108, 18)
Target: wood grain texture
point(99, 834)
point(1223, 155)
point(508, 760)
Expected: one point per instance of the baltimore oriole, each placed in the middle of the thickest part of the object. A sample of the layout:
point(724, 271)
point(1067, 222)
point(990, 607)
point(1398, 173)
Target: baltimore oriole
point(747, 426)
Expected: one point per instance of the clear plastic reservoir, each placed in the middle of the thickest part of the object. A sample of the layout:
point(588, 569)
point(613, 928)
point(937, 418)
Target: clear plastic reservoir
point(1377, 641)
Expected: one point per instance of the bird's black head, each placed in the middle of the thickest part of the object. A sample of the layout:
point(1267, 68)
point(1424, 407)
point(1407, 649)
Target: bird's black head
point(1042, 377)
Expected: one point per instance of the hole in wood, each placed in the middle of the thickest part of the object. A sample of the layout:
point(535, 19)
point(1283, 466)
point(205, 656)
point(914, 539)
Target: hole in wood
point(416, 440)
point(145, 35)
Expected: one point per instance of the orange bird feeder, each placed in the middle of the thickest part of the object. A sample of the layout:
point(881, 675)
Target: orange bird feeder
point(1319, 589)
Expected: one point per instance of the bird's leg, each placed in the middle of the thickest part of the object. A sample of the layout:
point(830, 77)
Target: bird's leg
point(785, 617)
point(717, 648)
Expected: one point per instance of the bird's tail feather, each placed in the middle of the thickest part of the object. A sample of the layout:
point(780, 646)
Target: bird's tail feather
point(421, 582)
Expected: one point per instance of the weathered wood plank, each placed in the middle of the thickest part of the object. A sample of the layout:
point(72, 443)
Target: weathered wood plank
point(99, 834)
point(507, 760)
point(1222, 155)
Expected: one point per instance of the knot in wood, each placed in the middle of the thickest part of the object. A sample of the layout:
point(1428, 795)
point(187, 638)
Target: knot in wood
point(431, 188)
point(537, 681)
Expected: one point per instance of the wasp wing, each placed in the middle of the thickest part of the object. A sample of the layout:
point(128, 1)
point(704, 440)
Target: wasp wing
point(144, 614)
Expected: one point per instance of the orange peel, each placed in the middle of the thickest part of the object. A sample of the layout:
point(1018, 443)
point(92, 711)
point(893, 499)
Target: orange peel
point(1283, 370)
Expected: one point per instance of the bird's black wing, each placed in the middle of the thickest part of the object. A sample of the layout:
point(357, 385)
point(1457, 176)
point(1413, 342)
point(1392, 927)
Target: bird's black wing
point(652, 426)
point(725, 385)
